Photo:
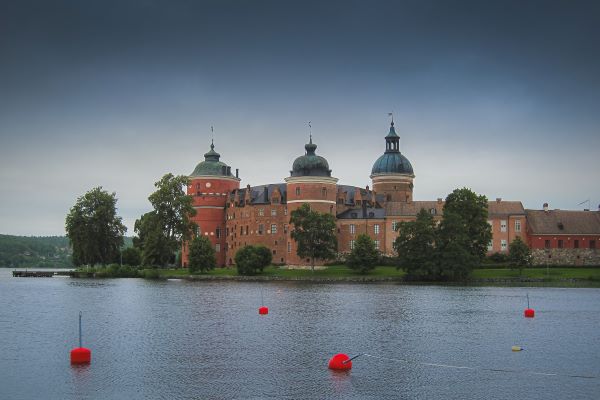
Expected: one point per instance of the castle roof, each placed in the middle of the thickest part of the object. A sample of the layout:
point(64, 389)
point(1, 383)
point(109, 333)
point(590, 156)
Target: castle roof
point(562, 222)
point(211, 165)
point(310, 164)
point(392, 161)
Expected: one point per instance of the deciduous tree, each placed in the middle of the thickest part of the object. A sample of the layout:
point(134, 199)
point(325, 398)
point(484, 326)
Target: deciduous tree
point(364, 256)
point(314, 233)
point(202, 255)
point(415, 245)
point(94, 229)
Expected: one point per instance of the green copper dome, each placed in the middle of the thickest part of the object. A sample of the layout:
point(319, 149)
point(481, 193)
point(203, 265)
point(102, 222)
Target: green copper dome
point(392, 161)
point(310, 164)
point(211, 165)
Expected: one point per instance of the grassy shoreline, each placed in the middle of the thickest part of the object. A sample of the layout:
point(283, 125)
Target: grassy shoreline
point(553, 277)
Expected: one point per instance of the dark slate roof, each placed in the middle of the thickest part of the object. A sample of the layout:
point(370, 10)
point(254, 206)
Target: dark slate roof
point(392, 163)
point(362, 212)
point(402, 209)
point(351, 190)
point(502, 208)
point(211, 165)
point(257, 193)
point(310, 164)
point(562, 222)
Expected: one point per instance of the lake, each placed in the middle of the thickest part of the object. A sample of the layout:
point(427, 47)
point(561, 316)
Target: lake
point(205, 340)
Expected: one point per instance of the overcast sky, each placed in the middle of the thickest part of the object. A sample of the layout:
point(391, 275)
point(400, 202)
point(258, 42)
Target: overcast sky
point(501, 97)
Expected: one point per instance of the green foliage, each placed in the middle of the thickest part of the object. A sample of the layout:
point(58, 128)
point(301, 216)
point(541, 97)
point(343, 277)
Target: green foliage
point(364, 256)
point(415, 245)
point(150, 274)
point(202, 255)
point(519, 255)
point(251, 260)
point(94, 229)
point(131, 256)
point(472, 209)
point(451, 250)
point(314, 233)
point(498, 258)
point(161, 231)
point(35, 252)
point(454, 248)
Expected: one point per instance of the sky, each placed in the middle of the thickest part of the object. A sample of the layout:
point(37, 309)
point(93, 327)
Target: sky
point(502, 97)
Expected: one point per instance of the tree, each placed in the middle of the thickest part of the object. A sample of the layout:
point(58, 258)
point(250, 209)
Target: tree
point(202, 255)
point(162, 231)
point(131, 256)
point(94, 229)
point(250, 260)
point(152, 241)
point(454, 248)
point(473, 210)
point(364, 256)
point(415, 245)
point(314, 233)
point(519, 254)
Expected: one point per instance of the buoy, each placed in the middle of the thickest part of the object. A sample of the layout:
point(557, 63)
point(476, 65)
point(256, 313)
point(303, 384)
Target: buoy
point(529, 312)
point(340, 362)
point(81, 355)
point(516, 348)
point(263, 310)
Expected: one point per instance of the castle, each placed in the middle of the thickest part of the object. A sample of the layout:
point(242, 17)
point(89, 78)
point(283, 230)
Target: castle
point(233, 217)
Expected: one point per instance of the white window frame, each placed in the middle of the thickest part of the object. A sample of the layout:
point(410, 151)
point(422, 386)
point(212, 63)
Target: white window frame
point(517, 225)
point(376, 229)
point(352, 229)
point(503, 245)
point(352, 245)
point(273, 229)
point(503, 225)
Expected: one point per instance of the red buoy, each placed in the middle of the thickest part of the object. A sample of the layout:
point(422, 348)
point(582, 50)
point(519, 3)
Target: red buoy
point(340, 362)
point(263, 310)
point(529, 313)
point(81, 355)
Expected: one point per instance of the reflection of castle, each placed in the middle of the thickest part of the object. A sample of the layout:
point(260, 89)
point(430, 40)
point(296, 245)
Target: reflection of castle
point(232, 217)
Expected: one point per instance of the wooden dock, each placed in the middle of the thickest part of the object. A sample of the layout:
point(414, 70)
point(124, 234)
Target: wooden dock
point(33, 274)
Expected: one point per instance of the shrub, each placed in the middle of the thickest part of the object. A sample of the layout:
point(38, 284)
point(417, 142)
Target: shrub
point(250, 260)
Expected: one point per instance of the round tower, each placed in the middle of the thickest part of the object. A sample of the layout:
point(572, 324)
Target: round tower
point(392, 174)
point(210, 185)
point(310, 182)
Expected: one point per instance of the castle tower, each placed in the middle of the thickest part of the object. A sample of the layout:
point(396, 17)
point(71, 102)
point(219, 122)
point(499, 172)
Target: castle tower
point(392, 174)
point(210, 185)
point(310, 182)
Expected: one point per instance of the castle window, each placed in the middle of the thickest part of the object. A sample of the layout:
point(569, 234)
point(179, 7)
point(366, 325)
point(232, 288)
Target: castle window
point(388, 197)
point(273, 229)
point(395, 225)
point(560, 243)
point(289, 247)
point(217, 247)
point(576, 244)
point(503, 225)
point(273, 212)
point(592, 244)
point(261, 212)
point(503, 245)
point(218, 233)
point(297, 191)
point(376, 229)
point(246, 229)
point(274, 252)
point(324, 192)
point(490, 245)
point(197, 186)
point(352, 229)
point(198, 231)
point(352, 245)
point(285, 228)
point(241, 230)
point(377, 244)
point(518, 225)
point(546, 244)
point(285, 211)
point(261, 229)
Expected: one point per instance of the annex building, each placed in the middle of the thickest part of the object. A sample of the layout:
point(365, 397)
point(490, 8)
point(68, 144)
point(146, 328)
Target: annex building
point(233, 217)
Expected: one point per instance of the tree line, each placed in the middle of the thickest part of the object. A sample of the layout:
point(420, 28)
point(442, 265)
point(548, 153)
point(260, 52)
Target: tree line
point(427, 250)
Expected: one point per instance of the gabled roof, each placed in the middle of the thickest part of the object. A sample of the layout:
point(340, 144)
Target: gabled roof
point(505, 208)
point(562, 222)
point(257, 193)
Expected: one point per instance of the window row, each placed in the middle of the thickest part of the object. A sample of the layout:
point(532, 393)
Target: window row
point(560, 244)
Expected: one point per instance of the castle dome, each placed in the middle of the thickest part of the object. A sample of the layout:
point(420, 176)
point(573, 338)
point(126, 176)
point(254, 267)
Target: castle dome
point(392, 161)
point(310, 164)
point(211, 165)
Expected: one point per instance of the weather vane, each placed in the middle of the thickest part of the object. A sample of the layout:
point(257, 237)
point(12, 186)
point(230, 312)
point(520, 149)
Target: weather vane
point(212, 135)
point(391, 114)
point(310, 130)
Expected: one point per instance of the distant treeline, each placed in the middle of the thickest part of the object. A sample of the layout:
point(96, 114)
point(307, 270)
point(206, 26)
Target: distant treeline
point(37, 251)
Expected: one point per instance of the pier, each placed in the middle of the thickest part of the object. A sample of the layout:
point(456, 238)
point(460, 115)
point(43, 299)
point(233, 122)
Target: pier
point(33, 274)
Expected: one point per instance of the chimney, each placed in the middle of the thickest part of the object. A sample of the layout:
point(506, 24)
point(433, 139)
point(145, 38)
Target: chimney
point(546, 207)
point(498, 199)
point(228, 171)
point(266, 192)
point(237, 172)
